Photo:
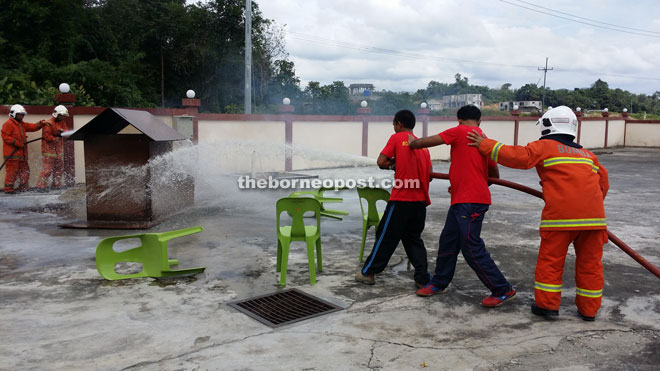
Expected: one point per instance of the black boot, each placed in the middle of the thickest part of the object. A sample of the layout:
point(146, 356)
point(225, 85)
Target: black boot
point(546, 313)
point(586, 318)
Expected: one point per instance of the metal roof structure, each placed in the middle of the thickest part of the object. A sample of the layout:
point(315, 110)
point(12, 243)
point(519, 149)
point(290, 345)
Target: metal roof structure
point(114, 120)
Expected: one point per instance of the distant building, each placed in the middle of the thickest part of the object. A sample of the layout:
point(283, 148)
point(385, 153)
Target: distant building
point(455, 101)
point(363, 90)
point(523, 105)
point(359, 92)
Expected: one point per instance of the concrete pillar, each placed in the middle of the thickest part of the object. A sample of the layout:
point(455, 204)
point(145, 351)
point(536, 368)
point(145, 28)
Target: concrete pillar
point(286, 111)
point(364, 112)
point(423, 113)
point(607, 126)
point(578, 114)
point(625, 115)
point(516, 125)
point(191, 105)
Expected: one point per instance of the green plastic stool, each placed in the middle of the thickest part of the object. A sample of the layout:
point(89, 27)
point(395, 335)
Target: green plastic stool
point(298, 231)
point(372, 217)
point(152, 254)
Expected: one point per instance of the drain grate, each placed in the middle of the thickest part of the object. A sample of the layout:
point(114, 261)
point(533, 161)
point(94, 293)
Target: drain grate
point(283, 308)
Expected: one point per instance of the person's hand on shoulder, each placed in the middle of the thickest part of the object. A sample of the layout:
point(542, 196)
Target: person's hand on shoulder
point(475, 137)
point(411, 139)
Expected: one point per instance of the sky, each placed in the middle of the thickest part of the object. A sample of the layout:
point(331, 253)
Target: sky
point(402, 45)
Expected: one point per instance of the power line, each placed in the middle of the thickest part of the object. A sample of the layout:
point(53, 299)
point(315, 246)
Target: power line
point(372, 49)
point(575, 70)
point(576, 21)
point(587, 19)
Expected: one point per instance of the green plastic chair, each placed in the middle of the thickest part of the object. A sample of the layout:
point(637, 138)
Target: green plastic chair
point(372, 217)
point(318, 196)
point(298, 231)
point(152, 254)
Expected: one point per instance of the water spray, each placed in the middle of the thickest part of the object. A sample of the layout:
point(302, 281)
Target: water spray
point(614, 239)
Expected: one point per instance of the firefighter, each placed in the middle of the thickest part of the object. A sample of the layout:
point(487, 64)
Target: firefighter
point(15, 150)
point(574, 186)
point(52, 151)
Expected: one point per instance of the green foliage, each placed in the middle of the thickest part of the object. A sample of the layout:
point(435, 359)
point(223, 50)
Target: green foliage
point(141, 53)
point(330, 99)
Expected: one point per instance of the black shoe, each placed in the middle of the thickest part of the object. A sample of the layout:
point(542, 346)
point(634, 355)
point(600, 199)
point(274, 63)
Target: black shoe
point(546, 313)
point(586, 318)
point(39, 190)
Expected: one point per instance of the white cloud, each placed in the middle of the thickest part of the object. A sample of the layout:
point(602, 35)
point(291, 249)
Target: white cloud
point(489, 38)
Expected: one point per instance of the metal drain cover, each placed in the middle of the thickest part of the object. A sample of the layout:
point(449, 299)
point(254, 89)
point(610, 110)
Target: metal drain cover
point(284, 307)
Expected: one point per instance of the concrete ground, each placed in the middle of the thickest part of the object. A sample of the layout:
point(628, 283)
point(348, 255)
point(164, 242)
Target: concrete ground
point(57, 313)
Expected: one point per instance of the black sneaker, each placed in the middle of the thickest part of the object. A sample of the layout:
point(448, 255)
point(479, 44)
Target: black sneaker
point(586, 318)
point(546, 313)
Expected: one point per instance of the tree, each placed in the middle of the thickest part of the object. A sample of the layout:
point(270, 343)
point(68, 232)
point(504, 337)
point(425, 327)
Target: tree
point(389, 103)
point(529, 92)
point(330, 99)
point(140, 52)
point(285, 83)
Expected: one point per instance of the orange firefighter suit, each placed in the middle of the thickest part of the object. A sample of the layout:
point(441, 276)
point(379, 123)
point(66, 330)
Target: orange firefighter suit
point(16, 153)
point(574, 186)
point(52, 152)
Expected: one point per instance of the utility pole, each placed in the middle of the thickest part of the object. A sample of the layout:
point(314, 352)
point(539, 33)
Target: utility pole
point(545, 71)
point(248, 57)
point(631, 100)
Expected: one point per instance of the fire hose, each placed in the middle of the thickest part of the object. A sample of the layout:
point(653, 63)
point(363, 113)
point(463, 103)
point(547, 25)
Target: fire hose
point(614, 239)
point(14, 151)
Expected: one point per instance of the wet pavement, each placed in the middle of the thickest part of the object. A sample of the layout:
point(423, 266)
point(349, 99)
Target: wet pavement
point(57, 313)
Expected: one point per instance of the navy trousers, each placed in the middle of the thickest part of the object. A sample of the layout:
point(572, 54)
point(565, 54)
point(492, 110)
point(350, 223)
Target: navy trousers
point(462, 232)
point(402, 221)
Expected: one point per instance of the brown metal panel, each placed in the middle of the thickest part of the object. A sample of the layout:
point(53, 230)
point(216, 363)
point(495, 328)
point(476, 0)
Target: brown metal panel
point(117, 178)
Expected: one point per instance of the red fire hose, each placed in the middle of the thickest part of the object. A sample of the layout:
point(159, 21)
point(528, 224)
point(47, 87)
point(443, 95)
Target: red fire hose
point(614, 239)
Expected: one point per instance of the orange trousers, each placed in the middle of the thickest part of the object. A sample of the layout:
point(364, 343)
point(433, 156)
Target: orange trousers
point(588, 269)
point(50, 166)
point(17, 169)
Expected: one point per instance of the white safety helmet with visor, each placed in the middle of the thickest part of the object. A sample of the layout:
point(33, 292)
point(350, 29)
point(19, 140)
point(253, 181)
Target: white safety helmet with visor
point(558, 120)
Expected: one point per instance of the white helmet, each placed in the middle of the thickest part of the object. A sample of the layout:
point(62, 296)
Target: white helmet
point(16, 109)
point(558, 120)
point(60, 110)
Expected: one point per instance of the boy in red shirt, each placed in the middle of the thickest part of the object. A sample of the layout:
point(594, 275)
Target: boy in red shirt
point(405, 214)
point(574, 186)
point(470, 197)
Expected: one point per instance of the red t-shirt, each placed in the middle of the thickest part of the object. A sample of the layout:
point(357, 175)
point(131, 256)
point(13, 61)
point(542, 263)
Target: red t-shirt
point(413, 169)
point(468, 172)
